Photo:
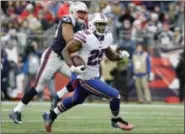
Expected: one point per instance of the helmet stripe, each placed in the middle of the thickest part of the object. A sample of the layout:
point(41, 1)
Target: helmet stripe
point(102, 16)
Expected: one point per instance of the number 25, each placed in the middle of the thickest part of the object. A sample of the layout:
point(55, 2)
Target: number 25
point(96, 56)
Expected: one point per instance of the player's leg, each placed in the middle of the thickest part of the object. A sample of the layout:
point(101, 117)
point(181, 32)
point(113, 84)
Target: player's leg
point(69, 87)
point(47, 69)
point(100, 88)
point(62, 92)
point(51, 86)
point(77, 98)
point(65, 90)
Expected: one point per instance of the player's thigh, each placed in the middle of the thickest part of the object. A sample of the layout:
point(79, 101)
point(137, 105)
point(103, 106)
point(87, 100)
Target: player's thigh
point(48, 68)
point(99, 88)
point(80, 93)
point(64, 69)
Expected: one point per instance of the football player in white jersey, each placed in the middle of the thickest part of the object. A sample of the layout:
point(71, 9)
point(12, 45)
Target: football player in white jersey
point(91, 45)
point(52, 60)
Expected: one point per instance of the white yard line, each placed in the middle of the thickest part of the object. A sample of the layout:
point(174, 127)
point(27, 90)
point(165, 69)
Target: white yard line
point(104, 105)
point(92, 121)
point(124, 113)
point(153, 113)
point(131, 117)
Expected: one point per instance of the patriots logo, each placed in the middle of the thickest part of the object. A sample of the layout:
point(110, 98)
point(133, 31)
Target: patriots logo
point(66, 19)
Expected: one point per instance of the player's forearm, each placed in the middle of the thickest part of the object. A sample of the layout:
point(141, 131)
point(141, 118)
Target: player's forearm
point(67, 57)
point(111, 54)
point(114, 56)
point(71, 47)
point(68, 38)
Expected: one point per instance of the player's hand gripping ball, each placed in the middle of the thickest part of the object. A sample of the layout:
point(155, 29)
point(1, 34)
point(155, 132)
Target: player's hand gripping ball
point(79, 64)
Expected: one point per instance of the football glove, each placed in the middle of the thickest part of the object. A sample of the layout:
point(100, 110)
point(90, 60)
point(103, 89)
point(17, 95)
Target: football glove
point(78, 69)
point(124, 54)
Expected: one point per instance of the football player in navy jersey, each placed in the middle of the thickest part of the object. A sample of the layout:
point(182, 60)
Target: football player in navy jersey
point(52, 60)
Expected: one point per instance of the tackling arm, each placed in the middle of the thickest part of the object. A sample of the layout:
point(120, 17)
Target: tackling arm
point(112, 55)
point(71, 47)
point(67, 32)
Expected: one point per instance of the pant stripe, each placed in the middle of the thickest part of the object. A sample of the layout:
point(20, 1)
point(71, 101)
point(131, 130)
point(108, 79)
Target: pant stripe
point(63, 106)
point(93, 90)
point(60, 108)
point(46, 57)
point(83, 84)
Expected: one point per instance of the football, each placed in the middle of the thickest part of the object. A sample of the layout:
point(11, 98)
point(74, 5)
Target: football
point(77, 61)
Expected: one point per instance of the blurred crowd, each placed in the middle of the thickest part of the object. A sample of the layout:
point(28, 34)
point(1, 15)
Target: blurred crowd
point(153, 23)
point(141, 27)
point(27, 28)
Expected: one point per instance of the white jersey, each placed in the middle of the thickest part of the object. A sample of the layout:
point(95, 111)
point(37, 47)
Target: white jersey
point(92, 52)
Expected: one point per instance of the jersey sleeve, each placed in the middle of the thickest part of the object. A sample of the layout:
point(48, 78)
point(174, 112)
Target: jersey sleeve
point(68, 20)
point(80, 36)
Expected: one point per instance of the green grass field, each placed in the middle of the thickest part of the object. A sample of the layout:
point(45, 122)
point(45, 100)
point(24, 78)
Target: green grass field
point(95, 118)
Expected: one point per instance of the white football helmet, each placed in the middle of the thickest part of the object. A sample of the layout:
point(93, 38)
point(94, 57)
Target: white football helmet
point(98, 24)
point(76, 7)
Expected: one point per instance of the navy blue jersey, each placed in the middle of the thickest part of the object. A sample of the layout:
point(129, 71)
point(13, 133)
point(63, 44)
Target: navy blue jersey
point(59, 43)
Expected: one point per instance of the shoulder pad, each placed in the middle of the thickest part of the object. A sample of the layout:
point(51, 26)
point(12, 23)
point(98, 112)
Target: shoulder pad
point(109, 37)
point(80, 36)
point(68, 19)
point(86, 32)
point(109, 34)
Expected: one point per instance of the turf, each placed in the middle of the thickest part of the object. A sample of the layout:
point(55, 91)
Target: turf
point(95, 118)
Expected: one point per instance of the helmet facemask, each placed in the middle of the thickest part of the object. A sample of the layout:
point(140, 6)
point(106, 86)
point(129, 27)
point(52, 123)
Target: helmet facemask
point(79, 11)
point(81, 16)
point(98, 24)
point(101, 28)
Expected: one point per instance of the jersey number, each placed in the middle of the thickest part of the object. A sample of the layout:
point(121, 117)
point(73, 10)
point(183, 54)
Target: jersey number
point(96, 56)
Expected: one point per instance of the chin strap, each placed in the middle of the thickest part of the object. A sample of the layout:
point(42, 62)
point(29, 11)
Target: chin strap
point(100, 37)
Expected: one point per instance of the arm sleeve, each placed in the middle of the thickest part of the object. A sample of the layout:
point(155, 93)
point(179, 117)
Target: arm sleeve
point(80, 36)
point(110, 37)
point(68, 20)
